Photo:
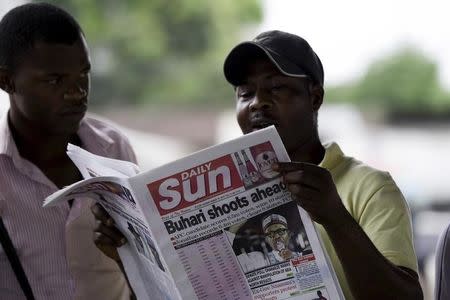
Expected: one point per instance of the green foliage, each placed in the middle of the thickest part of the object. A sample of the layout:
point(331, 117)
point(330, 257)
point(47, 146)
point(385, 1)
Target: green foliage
point(160, 51)
point(405, 81)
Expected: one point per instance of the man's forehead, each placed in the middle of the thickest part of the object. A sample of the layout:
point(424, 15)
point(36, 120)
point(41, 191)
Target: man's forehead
point(267, 76)
point(54, 57)
point(261, 66)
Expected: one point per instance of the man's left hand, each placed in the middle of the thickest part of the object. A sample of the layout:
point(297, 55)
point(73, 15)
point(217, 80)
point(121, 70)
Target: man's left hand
point(312, 187)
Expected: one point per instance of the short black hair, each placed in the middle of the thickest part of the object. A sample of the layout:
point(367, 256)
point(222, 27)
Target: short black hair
point(27, 24)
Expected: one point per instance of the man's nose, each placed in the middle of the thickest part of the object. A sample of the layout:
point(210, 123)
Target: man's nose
point(77, 92)
point(261, 101)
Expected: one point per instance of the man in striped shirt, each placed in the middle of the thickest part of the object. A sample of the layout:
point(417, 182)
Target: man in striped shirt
point(44, 67)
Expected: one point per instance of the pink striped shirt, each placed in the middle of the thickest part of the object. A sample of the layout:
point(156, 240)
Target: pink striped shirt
point(55, 244)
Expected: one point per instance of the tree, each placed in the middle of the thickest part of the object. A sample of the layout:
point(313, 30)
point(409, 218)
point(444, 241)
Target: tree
point(158, 51)
point(406, 80)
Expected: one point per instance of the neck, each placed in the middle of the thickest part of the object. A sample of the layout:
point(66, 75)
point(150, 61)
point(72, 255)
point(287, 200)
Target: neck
point(310, 152)
point(39, 147)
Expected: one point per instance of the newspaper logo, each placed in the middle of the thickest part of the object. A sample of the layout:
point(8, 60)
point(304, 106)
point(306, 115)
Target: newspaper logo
point(195, 185)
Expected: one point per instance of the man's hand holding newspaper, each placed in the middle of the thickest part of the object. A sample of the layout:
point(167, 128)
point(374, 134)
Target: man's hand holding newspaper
point(312, 187)
point(106, 235)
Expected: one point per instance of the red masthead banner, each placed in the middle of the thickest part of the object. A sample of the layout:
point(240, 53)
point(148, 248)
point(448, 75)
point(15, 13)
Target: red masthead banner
point(195, 185)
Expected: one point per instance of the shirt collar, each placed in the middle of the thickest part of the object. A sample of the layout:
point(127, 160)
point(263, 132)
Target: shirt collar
point(333, 155)
point(7, 144)
point(94, 139)
point(8, 148)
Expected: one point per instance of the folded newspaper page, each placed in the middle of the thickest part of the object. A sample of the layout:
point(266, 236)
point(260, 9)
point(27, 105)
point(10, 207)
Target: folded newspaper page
point(218, 224)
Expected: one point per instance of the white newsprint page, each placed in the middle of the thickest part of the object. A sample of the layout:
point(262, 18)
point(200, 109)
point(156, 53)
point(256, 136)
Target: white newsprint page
point(218, 224)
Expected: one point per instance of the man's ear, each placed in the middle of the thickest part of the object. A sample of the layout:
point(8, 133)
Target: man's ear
point(316, 93)
point(6, 82)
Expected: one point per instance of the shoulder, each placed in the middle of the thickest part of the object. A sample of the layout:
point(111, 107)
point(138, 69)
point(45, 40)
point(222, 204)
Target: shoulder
point(378, 205)
point(109, 136)
point(374, 200)
point(350, 173)
point(105, 127)
point(360, 185)
point(354, 174)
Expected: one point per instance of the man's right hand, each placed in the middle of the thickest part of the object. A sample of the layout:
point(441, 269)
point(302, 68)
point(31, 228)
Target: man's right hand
point(106, 236)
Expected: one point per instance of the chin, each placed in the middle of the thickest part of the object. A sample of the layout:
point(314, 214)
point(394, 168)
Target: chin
point(250, 130)
point(253, 129)
point(245, 130)
point(68, 129)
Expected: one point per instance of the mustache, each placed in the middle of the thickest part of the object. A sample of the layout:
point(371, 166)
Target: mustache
point(262, 119)
point(75, 109)
point(81, 94)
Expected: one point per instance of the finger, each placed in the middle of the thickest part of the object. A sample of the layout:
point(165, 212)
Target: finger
point(102, 239)
point(303, 179)
point(295, 189)
point(106, 246)
point(112, 233)
point(302, 195)
point(302, 190)
point(284, 167)
point(101, 214)
point(300, 200)
point(309, 196)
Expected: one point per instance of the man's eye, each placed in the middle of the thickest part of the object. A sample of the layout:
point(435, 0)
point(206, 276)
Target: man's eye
point(84, 74)
point(245, 95)
point(53, 81)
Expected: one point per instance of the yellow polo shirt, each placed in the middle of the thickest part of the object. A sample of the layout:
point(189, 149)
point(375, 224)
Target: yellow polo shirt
point(376, 203)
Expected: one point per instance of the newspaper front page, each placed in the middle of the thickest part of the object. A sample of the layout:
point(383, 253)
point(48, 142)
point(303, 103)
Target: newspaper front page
point(221, 222)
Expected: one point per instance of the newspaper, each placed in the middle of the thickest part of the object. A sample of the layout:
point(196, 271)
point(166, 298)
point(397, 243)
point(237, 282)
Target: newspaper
point(218, 224)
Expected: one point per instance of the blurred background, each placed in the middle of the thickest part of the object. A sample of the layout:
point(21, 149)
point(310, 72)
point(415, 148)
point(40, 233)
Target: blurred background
point(157, 73)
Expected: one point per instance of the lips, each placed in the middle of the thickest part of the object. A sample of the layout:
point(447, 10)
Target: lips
point(260, 122)
point(78, 110)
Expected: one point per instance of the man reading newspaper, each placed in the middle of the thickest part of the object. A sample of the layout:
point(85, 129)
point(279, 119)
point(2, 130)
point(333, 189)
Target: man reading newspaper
point(360, 213)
